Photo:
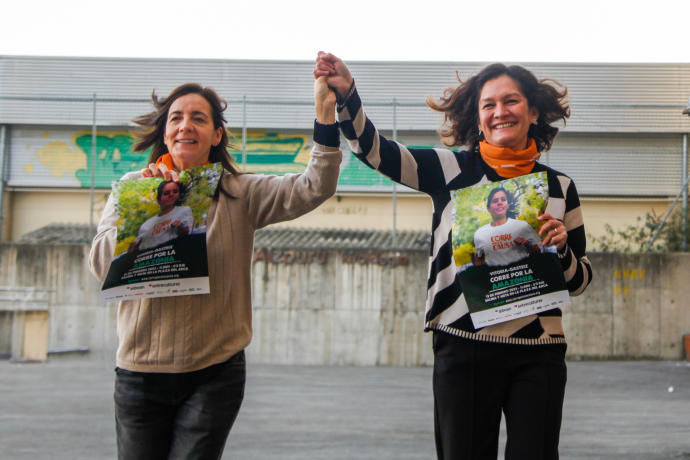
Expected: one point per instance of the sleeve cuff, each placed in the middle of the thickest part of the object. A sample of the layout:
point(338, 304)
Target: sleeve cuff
point(565, 257)
point(341, 102)
point(328, 135)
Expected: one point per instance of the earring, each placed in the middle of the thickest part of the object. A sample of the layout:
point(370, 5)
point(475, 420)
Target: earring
point(480, 132)
point(535, 122)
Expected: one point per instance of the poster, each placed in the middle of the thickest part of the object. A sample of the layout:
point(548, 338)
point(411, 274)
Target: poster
point(161, 236)
point(504, 270)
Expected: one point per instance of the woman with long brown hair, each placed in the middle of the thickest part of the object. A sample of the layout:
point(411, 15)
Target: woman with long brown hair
point(503, 116)
point(180, 361)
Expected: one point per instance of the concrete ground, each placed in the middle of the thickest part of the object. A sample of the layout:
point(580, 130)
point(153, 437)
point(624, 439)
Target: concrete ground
point(62, 409)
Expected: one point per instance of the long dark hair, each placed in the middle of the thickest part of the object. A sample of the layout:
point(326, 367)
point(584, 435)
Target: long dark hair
point(153, 125)
point(460, 106)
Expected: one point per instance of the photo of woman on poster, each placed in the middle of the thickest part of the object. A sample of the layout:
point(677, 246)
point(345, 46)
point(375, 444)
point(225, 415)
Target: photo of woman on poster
point(505, 239)
point(172, 221)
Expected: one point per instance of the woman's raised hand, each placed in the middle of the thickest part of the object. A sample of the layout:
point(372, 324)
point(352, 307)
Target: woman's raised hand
point(324, 102)
point(336, 72)
point(160, 170)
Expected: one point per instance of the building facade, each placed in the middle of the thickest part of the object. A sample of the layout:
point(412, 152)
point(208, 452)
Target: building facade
point(625, 144)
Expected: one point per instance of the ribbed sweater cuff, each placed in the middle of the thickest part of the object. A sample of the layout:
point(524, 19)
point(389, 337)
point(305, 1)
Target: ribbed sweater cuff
point(327, 135)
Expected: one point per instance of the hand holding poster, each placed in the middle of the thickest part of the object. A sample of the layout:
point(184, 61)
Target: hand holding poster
point(504, 270)
point(161, 236)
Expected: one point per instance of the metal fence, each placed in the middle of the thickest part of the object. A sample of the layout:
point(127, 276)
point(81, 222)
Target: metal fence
point(291, 114)
point(93, 101)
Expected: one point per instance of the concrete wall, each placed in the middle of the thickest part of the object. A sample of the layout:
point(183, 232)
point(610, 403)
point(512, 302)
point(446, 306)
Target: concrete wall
point(638, 306)
point(360, 308)
point(77, 317)
point(31, 210)
point(619, 212)
point(366, 308)
point(28, 210)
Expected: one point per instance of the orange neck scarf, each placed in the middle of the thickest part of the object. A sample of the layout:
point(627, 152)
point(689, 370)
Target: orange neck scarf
point(508, 162)
point(167, 160)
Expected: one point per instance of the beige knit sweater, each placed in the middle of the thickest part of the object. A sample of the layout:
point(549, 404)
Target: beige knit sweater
point(187, 333)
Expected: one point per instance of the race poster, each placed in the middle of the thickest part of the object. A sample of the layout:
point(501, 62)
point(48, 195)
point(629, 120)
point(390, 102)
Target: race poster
point(504, 270)
point(161, 236)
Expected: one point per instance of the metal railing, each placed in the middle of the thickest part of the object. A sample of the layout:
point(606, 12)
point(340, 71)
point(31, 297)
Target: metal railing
point(244, 102)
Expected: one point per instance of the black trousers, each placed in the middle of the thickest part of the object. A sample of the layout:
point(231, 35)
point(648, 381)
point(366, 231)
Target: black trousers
point(475, 381)
point(178, 416)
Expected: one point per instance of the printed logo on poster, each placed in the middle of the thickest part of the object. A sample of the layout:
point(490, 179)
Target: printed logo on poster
point(504, 270)
point(161, 236)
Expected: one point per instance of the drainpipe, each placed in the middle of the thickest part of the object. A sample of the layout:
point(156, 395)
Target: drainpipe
point(92, 187)
point(3, 175)
point(244, 132)
point(394, 239)
point(684, 216)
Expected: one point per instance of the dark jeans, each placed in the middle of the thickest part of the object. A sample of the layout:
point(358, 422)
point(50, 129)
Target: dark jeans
point(474, 381)
point(175, 416)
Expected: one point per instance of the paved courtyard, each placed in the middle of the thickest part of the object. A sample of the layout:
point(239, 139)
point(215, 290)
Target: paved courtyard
point(62, 409)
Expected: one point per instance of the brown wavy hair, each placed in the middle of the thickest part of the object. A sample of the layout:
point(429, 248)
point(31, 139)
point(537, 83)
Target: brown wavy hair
point(460, 106)
point(153, 125)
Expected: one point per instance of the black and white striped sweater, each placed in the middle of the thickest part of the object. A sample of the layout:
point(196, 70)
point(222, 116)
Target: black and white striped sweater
point(437, 172)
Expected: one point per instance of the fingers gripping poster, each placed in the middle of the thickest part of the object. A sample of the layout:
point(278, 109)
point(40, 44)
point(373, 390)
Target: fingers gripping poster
point(161, 236)
point(504, 270)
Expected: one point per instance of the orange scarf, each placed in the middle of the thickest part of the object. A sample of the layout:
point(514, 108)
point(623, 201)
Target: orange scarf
point(508, 162)
point(167, 160)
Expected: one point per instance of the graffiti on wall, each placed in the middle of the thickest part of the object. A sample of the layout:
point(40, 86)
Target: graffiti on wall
point(60, 158)
point(113, 157)
point(63, 158)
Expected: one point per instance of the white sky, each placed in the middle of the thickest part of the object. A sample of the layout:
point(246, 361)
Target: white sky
point(434, 30)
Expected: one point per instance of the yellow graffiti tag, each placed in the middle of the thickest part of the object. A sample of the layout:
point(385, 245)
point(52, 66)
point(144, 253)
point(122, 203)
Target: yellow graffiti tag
point(59, 159)
point(273, 152)
point(630, 274)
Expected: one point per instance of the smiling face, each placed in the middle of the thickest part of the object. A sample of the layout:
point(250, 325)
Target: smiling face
point(189, 131)
point(504, 114)
point(169, 196)
point(498, 205)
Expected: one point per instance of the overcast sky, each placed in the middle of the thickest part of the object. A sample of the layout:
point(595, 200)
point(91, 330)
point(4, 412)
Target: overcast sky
point(436, 30)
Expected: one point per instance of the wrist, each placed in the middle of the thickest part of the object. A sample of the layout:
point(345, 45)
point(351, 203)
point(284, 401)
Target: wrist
point(342, 98)
point(325, 113)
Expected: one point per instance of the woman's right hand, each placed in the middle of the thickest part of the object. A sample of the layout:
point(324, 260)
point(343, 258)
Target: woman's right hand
point(324, 102)
point(160, 170)
point(336, 72)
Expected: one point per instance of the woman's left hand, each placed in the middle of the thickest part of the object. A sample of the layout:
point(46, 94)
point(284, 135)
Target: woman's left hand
point(553, 232)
